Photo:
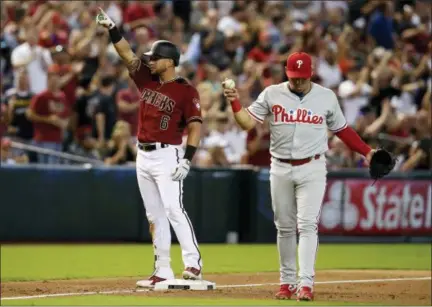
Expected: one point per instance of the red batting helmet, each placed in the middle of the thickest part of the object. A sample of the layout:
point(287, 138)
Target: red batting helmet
point(299, 65)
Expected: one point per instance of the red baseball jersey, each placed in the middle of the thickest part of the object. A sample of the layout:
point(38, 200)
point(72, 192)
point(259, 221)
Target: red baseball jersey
point(129, 96)
point(46, 104)
point(165, 108)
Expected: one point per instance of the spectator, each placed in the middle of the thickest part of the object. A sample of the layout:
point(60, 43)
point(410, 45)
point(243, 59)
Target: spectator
point(223, 143)
point(258, 146)
point(105, 114)
point(7, 155)
point(277, 75)
point(18, 101)
point(49, 113)
point(137, 14)
point(339, 155)
point(69, 72)
point(327, 67)
point(354, 93)
point(263, 52)
point(128, 101)
point(82, 117)
point(249, 79)
point(199, 11)
point(85, 43)
point(376, 55)
point(142, 41)
point(119, 148)
point(232, 22)
point(211, 39)
point(3, 113)
point(381, 25)
point(35, 59)
point(419, 156)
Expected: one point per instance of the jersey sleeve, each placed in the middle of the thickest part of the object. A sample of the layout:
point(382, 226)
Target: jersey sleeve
point(141, 75)
point(192, 106)
point(335, 120)
point(259, 109)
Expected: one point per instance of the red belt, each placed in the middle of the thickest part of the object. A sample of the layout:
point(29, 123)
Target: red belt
point(300, 161)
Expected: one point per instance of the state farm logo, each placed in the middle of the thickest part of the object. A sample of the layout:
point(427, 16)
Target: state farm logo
point(386, 206)
point(295, 116)
point(386, 210)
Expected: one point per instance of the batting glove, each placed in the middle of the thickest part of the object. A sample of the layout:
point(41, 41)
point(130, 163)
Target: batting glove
point(181, 170)
point(104, 20)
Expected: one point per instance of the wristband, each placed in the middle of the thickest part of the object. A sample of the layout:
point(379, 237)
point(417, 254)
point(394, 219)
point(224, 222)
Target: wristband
point(115, 35)
point(236, 106)
point(189, 152)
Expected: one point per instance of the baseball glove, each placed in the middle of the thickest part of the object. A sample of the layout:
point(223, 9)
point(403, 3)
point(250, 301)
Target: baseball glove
point(381, 164)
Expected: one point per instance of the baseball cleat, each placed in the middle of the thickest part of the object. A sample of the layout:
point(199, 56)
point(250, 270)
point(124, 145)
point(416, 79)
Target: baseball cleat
point(192, 274)
point(305, 294)
point(149, 283)
point(286, 291)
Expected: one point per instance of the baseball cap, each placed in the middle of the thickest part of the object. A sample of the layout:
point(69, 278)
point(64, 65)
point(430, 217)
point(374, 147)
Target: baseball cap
point(299, 65)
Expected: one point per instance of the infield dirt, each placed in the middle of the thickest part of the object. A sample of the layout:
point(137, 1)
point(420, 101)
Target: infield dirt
point(404, 292)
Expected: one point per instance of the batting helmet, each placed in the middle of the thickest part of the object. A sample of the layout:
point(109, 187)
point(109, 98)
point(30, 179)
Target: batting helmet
point(164, 50)
point(299, 65)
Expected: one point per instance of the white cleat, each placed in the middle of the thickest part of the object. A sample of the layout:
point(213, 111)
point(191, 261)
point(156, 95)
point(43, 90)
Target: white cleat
point(192, 274)
point(149, 283)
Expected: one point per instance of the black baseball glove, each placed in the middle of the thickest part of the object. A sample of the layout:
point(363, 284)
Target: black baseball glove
point(381, 164)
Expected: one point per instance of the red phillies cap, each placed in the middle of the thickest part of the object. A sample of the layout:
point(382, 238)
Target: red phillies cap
point(299, 65)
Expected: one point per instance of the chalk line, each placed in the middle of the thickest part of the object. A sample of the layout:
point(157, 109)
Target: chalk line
point(355, 281)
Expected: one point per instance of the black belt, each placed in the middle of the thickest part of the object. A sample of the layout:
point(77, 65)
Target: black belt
point(151, 147)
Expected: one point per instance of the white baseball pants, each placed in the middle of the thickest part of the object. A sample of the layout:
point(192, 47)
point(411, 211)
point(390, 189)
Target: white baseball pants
point(297, 193)
point(163, 202)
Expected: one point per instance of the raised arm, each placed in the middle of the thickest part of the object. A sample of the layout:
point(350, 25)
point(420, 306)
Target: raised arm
point(243, 118)
point(121, 45)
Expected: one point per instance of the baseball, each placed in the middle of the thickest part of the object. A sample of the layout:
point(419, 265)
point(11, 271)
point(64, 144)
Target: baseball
point(229, 83)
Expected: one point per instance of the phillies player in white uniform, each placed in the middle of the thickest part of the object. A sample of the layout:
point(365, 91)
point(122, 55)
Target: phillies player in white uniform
point(300, 112)
point(168, 104)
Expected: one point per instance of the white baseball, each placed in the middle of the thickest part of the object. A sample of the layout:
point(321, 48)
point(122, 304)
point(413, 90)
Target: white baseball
point(229, 83)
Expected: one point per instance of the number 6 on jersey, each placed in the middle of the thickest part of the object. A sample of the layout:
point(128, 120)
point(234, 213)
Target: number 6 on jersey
point(164, 122)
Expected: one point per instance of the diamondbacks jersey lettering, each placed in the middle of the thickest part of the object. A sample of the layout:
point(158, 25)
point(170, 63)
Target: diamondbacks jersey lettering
point(166, 108)
point(298, 125)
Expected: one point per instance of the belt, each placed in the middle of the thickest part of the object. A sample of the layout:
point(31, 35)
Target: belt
point(151, 146)
point(295, 162)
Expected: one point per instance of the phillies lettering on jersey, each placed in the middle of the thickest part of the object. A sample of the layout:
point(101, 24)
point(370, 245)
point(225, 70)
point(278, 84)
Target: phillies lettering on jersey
point(298, 125)
point(298, 116)
point(159, 100)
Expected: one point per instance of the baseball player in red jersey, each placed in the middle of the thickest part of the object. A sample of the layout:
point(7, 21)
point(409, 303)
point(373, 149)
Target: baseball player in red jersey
point(169, 104)
point(299, 113)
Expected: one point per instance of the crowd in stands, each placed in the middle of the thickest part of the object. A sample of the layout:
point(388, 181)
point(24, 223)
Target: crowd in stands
point(64, 88)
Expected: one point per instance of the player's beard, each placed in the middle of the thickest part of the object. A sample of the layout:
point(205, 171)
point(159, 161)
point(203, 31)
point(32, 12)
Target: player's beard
point(158, 70)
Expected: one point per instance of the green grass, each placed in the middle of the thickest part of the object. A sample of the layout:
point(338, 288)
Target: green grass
point(42, 262)
point(114, 300)
point(47, 262)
